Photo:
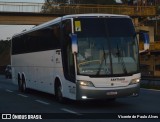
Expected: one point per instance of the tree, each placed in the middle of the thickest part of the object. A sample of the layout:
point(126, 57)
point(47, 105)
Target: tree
point(106, 2)
point(102, 2)
point(5, 47)
point(50, 5)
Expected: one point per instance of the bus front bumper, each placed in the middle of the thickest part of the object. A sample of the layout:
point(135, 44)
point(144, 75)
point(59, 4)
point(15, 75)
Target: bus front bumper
point(89, 93)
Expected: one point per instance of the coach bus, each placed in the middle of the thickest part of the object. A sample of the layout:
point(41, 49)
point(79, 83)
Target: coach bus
point(80, 57)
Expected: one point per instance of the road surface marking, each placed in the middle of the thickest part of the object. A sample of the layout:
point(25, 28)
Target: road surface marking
point(9, 90)
point(22, 95)
point(43, 102)
point(70, 111)
point(150, 89)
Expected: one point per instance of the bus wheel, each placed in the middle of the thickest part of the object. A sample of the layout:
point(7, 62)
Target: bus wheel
point(59, 95)
point(19, 84)
point(24, 89)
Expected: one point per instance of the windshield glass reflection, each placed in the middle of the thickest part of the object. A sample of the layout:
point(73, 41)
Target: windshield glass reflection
point(105, 49)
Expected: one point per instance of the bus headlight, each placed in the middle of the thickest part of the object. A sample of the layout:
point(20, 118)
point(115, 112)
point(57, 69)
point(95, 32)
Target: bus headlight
point(135, 81)
point(86, 83)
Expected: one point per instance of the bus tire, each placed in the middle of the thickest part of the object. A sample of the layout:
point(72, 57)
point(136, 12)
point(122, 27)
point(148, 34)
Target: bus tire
point(19, 84)
point(58, 93)
point(24, 89)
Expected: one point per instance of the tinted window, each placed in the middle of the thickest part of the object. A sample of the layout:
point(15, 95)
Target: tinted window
point(40, 40)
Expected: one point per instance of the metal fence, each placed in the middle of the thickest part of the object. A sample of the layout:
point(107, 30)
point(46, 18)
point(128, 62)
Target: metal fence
point(77, 9)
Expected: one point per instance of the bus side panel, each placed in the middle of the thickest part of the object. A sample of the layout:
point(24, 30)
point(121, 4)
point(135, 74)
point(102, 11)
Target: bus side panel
point(37, 67)
point(40, 70)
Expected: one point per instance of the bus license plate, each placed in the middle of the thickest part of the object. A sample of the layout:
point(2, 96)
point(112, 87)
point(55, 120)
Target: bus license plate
point(112, 93)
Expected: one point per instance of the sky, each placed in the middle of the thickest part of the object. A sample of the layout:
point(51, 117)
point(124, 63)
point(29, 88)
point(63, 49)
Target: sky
point(7, 31)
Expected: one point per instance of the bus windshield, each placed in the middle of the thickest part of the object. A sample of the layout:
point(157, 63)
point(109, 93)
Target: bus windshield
point(106, 46)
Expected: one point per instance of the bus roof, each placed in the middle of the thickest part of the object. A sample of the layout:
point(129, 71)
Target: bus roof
point(94, 15)
point(69, 16)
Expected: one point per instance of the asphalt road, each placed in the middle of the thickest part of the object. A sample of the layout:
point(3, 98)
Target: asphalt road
point(34, 102)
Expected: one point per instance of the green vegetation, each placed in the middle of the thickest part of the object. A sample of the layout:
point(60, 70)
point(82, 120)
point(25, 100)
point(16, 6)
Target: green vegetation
point(5, 52)
point(103, 2)
point(107, 2)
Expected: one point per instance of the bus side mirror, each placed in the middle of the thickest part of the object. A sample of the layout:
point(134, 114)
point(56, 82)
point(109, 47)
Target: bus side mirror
point(74, 43)
point(146, 41)
point(144, 36)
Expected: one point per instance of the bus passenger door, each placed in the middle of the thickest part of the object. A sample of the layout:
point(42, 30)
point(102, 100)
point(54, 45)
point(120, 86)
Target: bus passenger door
point(68, 59)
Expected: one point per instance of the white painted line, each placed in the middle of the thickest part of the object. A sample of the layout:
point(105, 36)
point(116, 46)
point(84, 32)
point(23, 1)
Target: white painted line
point(22, 95)
point(151, 89)
point(70, 111)
point(9, 90)
point(43, 102)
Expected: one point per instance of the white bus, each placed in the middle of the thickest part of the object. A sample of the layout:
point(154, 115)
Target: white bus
point(80, 57)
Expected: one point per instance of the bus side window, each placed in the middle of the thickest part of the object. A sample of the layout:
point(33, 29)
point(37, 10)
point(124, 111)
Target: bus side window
point(69, 69)
point(56, 35)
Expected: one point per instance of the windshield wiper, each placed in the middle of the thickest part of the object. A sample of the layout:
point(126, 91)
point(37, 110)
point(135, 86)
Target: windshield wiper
point(103, 59)
point(120, 59)
point(104, 56)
